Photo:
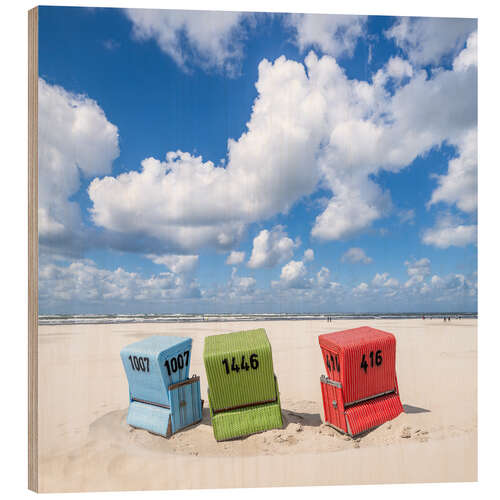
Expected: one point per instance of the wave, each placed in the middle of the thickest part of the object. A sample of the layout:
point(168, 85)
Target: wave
point(82, 319)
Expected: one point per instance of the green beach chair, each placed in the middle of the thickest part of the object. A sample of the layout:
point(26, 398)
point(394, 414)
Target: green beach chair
point(242, 389)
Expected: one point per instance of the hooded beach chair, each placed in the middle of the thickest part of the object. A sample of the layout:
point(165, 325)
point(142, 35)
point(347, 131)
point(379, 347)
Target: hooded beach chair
point(163, 399)
point(360, 390)
point(242, 388)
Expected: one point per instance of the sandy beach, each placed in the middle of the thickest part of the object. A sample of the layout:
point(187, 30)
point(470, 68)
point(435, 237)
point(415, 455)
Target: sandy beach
point(86, 445)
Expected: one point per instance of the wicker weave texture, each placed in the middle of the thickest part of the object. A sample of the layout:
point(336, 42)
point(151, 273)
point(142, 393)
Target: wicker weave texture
point(346, 352)
point(239, 368)
point(186, 405)
point(369, 414)
point(245, 421)
point(152, 418)
point(149, 381)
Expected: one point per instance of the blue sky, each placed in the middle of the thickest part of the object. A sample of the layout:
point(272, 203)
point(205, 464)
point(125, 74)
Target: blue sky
point(221, 162)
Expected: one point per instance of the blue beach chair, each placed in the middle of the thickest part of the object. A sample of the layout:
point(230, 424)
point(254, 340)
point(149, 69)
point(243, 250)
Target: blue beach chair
point(163, 399)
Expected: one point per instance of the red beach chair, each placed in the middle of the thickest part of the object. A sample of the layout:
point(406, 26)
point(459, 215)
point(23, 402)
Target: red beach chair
point(360, 390)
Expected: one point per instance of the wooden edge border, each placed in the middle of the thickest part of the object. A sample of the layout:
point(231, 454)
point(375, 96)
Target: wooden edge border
point(33, 249)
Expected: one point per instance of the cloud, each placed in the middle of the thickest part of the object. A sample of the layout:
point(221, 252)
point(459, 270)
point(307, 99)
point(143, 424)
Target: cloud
point(468, 56)
point(428, 40)
point(384, 280)
point(84, 283)
point(459, 185)
point(453, 283)
point(362, 288)
point(308, 255)
point(398, 68)
point(235, 258)
point(300, 136)
point(182, 202)
point(420, 288)
point(355, 255)
point(75, 139)
point(417, 270)
point(293, 275)
point(300, 289)
point(394, 129)
point(241, 285)
point(391, 283)
point(179, 264)
point(335, 35)
point(188, 203)
point(83, 286)
point(450, 231)
point(352, 209)
point(210, 40)
point(380, 279)
point(271, 248)
point(323, 278)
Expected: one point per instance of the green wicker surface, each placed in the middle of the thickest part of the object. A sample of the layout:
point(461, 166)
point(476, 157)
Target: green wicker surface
point(244, 421)
point(250, 379)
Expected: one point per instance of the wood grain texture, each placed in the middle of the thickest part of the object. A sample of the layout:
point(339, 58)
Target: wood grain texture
point(33, 249)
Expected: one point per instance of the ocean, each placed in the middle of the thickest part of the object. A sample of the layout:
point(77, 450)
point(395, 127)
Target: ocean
point(76, 319)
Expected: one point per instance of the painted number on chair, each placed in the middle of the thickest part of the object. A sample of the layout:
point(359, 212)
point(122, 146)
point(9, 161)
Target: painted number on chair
point(332, 362)
point(235, 367)
point(177, 363)
point(139, 363)
point(377, 358)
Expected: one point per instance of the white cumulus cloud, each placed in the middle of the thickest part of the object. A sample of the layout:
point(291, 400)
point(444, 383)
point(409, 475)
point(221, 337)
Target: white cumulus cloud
point(271, 247)
point(235, 258)
point(459, 185)
point(380, 278)
point(417, 270)
point(83, 282)
point(241, 285)
point(335, 35)
point(355, 255)
point(74, 139)
point(427, 40)
point(450, 231)
point(362, 288)
point(178, 264)
point(211, 40)
point(302, 132)
point(293, 275)
point(308, 255)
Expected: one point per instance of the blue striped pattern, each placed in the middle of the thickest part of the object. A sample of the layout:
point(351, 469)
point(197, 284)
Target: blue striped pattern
point(186, 405)
point(153, 406)
point(152, 418)
point(152, 386)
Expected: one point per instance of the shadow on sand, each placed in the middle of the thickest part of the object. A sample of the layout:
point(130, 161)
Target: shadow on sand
point(414, 409)
point(303, 418)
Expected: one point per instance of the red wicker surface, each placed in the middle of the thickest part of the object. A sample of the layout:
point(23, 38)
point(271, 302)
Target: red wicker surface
point(361, 390)
point(362, 359)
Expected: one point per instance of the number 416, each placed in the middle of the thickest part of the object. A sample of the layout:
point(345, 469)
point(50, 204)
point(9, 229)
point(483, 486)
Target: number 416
point(377, 358)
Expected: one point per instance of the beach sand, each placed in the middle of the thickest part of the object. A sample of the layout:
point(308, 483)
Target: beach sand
point(86, 445)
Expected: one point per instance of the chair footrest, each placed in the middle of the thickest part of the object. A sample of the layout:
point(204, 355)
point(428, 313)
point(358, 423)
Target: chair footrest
point(367, 414)
point(155, 419)
point(245, 421)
